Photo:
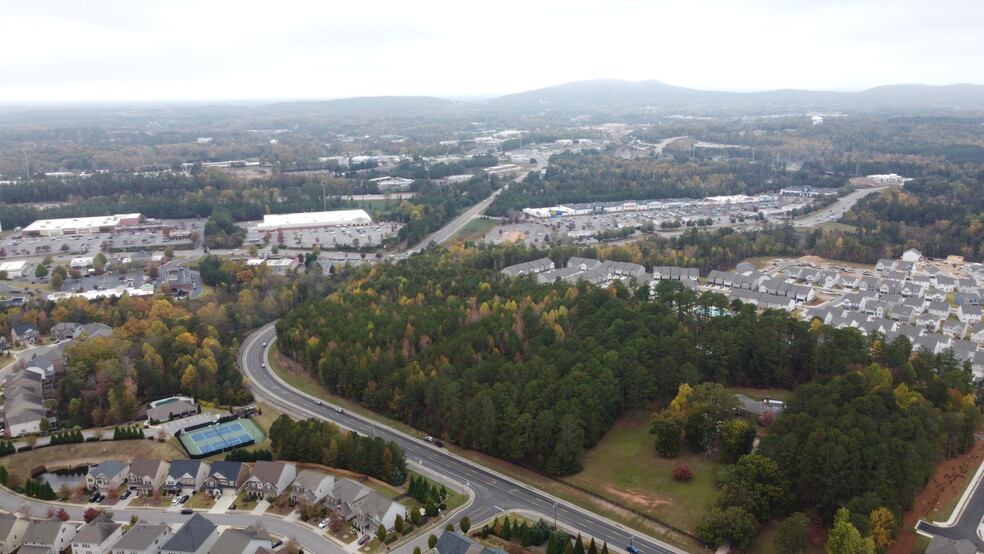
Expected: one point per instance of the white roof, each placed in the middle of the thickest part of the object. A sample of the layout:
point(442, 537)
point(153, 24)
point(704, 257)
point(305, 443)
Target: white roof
point(15, 266)
point(311, 219)
point(146, 290)
point(78, 222)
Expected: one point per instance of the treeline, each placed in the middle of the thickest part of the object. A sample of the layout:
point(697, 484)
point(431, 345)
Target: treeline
point(537, 373)
point(435, 206)
point(595, 176)
point(322, 442)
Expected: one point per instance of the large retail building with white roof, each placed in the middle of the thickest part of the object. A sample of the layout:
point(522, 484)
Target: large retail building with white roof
point(314, 220)
point(80, 225)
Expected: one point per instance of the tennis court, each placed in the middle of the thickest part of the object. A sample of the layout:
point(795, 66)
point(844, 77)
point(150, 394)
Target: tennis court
point(221, 437)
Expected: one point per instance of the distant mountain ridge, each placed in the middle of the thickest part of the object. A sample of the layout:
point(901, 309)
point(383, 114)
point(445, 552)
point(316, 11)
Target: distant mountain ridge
point(611, 93)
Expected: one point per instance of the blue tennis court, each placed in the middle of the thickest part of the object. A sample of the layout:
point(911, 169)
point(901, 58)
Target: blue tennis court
point(221, 437)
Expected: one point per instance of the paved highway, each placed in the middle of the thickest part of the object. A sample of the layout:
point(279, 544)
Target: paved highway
point(493, 492)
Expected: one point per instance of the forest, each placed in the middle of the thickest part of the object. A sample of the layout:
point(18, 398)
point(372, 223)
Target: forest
point(538, 373)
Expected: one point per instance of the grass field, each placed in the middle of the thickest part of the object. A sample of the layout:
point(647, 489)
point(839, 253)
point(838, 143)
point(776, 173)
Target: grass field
point(782, 395)
point(475, 230)
point(89, 453)
point(625, 467)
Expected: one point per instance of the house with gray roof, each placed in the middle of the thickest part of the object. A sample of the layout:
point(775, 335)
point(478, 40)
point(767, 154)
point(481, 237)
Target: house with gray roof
point(24, 334)
point(902, 314)
point(65, 330)
point(24, 408)
point(934, 295)
point(12, 529)
point(107, 476)
point(242, 541)
point(760, 407)
point(977, 365)
point(954, 328)
point(945, 283)
point(969, 313)
point(965, 284)
point(905, 267)
point(583, 264)
point(49, 536)
point(884, 265)
point(365, 508)
point(529, 268)
point(928, 322)
point(944, 545)
point(144, 538)
point(868, 283)
point(93, 330)
point(196, 536)
point(938, 308)
point(97, 537)
point(970, 298)
point(849, 281)
point(311, 485)
point(185, 476)
point(147, 475)
point(226, 477)
point(270, 478)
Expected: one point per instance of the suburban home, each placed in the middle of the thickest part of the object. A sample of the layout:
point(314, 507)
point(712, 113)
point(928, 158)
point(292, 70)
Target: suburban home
point(97, 537)
point(936, 295)
point(977, 365)
point(185, 476)
point(849, 281)
point(93, 330)
point(906, 267)
point(829, 279)
point(976, 332)
point(65, 330)
point(583, 264)
point(966, 285)
point(311, 485)
point(24, 408)
point(225, 476)
point(242, 541)
point(147, 475)
point(929, 322)
point(911, 255)
point(969, 314)
point(107, 476)
point(196, 536)
point(954, 328)
point(674, 273)
point(270, 478)
point(171, 410)
point(884, 265)
point(902, 314)
point(143, 538)
point(454, 543)
point(971, 298)
point(760, 407)
point(24, 334)
point(946, 284)
point(365, 508)
point(12, 529)
point(868, 284)
point(939, 309)
point(50, 536)
point(744, 267)
point(529, 268)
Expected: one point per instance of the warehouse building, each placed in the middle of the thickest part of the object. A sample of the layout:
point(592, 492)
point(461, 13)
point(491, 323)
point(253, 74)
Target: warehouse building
point(80, 225)
point(314, 220)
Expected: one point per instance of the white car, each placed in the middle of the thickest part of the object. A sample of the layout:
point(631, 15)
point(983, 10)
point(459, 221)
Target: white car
point(429, 439)
point(324, 523)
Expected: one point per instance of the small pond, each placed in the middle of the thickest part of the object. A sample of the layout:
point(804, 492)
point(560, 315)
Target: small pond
point(70, 477)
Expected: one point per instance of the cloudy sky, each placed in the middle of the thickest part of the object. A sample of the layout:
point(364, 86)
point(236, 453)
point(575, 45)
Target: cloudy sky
point(93, 50)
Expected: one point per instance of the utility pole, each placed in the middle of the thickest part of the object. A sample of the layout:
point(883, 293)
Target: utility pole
point(324, 194)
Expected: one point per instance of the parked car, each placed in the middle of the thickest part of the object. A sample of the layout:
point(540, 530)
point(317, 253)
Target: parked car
point(187, 511)
point(363, 540)
point(277, 544)
point(126, 494)
point(429, 439)
point(184, 498)
point(439, 444)
point(95, 497)
point(324, 523)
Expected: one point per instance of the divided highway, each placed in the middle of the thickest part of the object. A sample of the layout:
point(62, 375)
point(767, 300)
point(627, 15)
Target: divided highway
point(492, 492)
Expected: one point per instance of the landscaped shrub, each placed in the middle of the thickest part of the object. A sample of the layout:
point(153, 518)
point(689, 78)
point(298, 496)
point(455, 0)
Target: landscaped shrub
point(683, 473)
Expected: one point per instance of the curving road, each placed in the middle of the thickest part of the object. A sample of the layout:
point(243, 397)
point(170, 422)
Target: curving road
point(493, 492)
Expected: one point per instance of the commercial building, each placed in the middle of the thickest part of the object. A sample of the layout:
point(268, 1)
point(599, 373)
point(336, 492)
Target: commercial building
point(80, 225)
point(314, 220)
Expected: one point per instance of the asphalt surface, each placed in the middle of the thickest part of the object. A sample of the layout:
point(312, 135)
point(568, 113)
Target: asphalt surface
point(968, 523)
point(493, 492)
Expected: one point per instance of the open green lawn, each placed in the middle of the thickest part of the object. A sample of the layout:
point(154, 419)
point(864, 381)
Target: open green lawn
point(625, 467)
point(475, 229)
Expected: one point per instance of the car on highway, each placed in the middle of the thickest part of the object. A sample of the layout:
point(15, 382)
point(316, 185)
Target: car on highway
point(264, 345)
point(318, 402)
point(632, 549)
point(340, 410)
point(187, 511)
point(263, 365)
point(324, 523)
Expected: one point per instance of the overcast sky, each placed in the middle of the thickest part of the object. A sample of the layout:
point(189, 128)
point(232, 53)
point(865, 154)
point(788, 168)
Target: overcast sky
point(92, 50)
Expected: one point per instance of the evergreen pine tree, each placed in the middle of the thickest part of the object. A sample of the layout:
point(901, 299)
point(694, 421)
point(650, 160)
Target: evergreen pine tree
point(578, 545)
point(592, 547)
point(506, 529)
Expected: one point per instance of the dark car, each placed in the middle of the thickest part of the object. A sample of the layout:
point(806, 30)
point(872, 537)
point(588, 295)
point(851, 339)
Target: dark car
point(363, 540)
point(187, 511)
point(277, 544)
point(632, 549)
point(126, 494)
point(439, 444)
point(95, 497)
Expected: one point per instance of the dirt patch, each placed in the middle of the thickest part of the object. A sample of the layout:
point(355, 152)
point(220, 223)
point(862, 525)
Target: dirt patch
point(88, 453)
point(811, 260)
point(947, 482)
point(637, 499)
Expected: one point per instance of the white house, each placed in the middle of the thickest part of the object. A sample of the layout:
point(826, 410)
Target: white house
point(97, 537)
point(969, 314)
point(50, 536)
point(185, 476)
point(270, 478)
point(911, 255)
point(144, 538)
